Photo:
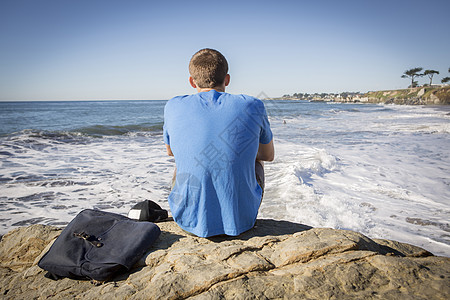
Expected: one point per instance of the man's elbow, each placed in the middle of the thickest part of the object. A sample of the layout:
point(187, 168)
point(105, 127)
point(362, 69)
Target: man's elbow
point(268, 157)
point(169, 151)
point(266, 152)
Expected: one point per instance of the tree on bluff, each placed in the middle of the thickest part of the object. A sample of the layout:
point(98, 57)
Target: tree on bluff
point(430, 74)
point(412, 73)
point(446, 79)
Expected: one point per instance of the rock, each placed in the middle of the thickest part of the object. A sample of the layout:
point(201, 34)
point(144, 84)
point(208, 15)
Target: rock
point(20, 247)
point(421, 92)
point(430, 95)
point(276, 259)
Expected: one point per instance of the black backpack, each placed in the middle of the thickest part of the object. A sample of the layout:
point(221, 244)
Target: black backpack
point(98, 245)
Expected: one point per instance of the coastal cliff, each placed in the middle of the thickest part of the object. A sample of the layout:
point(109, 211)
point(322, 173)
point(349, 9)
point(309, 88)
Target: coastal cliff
point(276, 259)
point(425, 95)
point(415, 96)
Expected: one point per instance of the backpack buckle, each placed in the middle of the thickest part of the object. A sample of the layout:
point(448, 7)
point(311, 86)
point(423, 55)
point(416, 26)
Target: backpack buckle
point(89, 238)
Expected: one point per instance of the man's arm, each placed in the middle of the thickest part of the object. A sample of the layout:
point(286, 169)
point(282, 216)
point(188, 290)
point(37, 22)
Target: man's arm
point(169, 151)
point(266, 152)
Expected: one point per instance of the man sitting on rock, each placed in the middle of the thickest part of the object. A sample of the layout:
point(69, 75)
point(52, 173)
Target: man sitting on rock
point(219, 141)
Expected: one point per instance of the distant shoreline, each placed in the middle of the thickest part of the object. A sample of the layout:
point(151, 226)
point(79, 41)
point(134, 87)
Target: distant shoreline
point(428, 95)
point(424, 95)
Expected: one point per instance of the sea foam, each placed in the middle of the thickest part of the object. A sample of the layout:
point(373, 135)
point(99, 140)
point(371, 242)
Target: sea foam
point(381, 170)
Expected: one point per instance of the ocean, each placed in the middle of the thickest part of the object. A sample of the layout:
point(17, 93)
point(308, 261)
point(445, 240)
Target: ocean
point(382, 170)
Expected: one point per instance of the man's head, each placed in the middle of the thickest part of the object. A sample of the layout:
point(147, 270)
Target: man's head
point(208, 69)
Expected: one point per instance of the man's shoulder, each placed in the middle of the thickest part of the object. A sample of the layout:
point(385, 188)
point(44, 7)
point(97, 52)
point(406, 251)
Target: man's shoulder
point(178, 98)
point(247, 99)
point(244, 97)
point(175, 102)
point(189, 100)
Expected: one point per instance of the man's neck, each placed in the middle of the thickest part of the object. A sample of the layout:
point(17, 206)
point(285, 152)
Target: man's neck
point(218, 89)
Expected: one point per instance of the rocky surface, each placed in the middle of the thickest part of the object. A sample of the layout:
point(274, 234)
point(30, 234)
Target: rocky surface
point(276, 259)
point(434, 95)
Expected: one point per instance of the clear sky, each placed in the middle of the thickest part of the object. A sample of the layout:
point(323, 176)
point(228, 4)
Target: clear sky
point(135, 49)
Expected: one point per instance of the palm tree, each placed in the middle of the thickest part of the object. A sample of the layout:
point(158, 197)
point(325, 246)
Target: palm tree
point(430, 74)
point(412, 73)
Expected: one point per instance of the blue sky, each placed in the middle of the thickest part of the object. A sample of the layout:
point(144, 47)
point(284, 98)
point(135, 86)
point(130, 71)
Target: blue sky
point(96, 50)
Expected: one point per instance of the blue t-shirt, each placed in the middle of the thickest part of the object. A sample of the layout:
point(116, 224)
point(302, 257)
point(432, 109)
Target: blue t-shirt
point(215, 138)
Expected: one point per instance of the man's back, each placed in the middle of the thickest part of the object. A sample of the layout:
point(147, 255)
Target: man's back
point(215, 137)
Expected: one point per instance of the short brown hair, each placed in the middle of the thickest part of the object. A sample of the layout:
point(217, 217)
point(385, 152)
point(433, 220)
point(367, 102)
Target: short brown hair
point(208, 68)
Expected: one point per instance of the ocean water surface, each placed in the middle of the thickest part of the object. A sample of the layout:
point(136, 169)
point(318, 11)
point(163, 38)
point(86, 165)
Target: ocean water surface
point(382, 170)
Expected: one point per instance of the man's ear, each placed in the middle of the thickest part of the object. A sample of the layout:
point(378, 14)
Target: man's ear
point(227, 80)
point(192, 82)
